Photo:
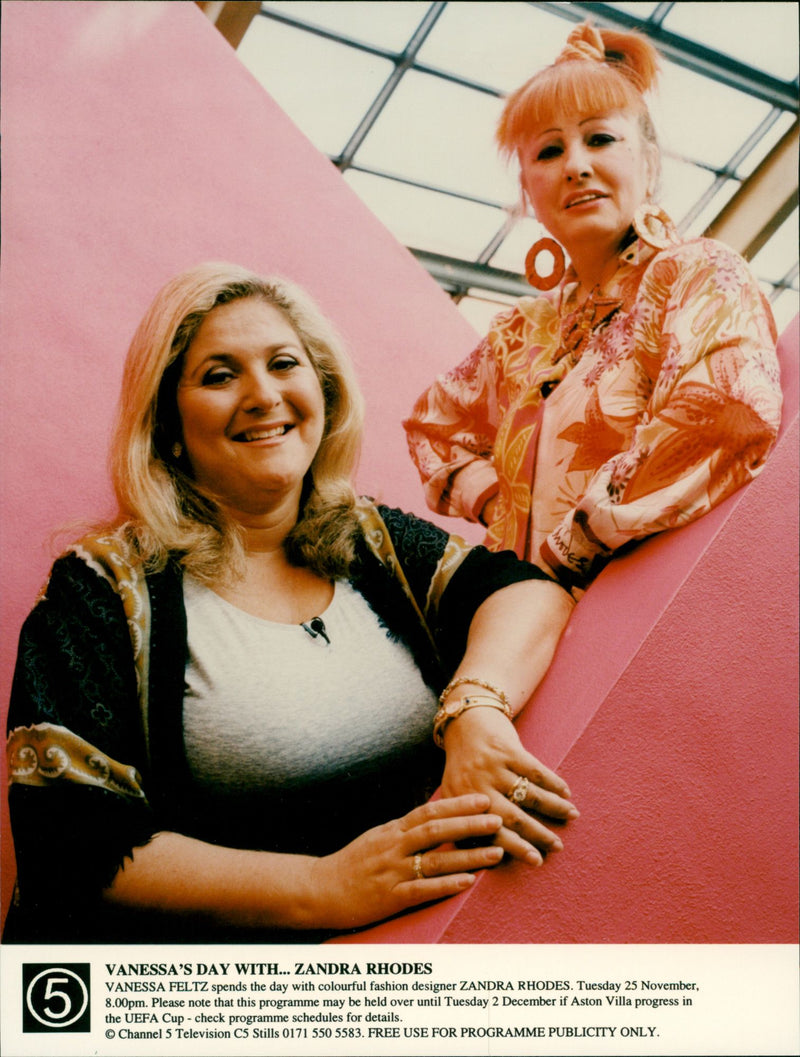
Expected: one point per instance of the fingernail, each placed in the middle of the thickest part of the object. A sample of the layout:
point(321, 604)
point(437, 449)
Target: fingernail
point(494, 853)
point(573, 813)
point(534, 858)
point(556, 845)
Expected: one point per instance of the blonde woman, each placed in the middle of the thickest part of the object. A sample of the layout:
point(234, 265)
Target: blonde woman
point(230, 704)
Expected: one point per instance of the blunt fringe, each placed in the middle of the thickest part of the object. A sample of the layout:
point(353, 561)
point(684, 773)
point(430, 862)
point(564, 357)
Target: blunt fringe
point(581, 86)
point(162, 510)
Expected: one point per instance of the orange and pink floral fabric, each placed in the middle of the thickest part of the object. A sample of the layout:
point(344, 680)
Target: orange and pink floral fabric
point(673, 404)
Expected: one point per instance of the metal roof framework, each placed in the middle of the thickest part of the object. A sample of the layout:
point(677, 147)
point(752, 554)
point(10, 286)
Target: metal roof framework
point(764, 199)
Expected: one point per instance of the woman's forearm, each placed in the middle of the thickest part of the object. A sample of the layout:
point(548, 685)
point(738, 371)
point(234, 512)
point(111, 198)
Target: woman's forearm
point(389, 868)
point(176, 874)
point(511, 643)
point(513, 637)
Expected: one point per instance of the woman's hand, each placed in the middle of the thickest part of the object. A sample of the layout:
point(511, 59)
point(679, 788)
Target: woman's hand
point(512, 639)
point(488, 509)
point(485, 755)
point(397, 865)
point(408, 861)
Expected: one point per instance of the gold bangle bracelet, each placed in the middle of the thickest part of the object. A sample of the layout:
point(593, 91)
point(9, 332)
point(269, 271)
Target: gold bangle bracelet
point(453, 709)
point(475, 682)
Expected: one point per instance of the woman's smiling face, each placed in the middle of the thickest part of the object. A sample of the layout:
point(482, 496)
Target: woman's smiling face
point(585, 176)
point(251, 406)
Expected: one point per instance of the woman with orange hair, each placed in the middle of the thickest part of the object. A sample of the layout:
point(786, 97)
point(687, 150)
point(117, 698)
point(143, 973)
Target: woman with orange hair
point(640, 387)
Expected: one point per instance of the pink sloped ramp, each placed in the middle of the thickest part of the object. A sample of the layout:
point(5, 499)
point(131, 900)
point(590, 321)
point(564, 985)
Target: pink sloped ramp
point(671, 710)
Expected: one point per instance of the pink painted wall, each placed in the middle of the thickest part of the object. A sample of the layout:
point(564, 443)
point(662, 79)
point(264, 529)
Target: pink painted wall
point(137, 145)
point(671, 710)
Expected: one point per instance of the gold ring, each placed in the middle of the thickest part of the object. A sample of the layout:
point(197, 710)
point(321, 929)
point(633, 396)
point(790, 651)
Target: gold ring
point(419, 873)
point(518, 793)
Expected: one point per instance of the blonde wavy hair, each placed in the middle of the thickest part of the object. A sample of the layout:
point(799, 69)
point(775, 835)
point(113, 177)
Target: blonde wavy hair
point(162, 510)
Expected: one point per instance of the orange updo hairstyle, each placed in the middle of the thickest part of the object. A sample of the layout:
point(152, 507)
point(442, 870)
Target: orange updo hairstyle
point(597, 71)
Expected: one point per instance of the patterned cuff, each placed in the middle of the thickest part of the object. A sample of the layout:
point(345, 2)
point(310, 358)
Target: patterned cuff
point(473, 486)
point(574, 553)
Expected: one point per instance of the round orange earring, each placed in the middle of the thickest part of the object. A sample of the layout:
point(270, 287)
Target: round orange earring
point(534, 277)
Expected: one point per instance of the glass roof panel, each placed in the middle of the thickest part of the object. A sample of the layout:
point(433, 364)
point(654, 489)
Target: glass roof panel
point(785, 307)
point(701, 119)
point(681, 186)
point(426, 220)
point(722, 195)
point(640, 10)
point(280, 57)
point(481, 310)
point(510, 255)
point(442, 134)
point(761, 35)
point(436, 132)
point(387, 24)
point(496, 44)
point(774, 260)
point(768, 140)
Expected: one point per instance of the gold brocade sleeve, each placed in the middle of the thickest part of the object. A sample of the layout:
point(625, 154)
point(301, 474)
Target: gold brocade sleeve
point(46, 753)
point(111, 556)
point(380, 543)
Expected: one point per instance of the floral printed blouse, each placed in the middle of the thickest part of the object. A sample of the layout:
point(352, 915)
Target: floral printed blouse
point(600, 426)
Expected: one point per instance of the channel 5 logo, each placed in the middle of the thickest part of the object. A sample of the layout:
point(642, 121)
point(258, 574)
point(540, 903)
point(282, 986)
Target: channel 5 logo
point(56, 997)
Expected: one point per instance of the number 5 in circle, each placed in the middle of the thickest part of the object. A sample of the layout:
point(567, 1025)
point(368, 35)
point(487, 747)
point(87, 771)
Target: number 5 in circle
point(57, 997)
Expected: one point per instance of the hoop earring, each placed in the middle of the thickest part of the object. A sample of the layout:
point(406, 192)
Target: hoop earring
point(535, 278)
point(653, 226)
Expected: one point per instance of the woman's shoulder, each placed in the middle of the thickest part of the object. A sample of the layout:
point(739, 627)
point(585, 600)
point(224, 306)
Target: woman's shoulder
point(97, 566)
point(534, 311)
point(110, 554)
point(658, 241)
point(701, 253)
point(84, 585)
point(378, 518)
point(685, 275)
point(402, 540)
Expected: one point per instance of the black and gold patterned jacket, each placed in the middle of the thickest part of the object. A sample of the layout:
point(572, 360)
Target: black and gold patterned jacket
point(95, 748)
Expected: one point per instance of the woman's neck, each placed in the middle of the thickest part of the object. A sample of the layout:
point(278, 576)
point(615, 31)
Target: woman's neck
point(265, 531)
point(595, 265)
point(594, 273)
point(269, 585)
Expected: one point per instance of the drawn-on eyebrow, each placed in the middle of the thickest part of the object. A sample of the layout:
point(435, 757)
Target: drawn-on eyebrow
point(586, 120)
